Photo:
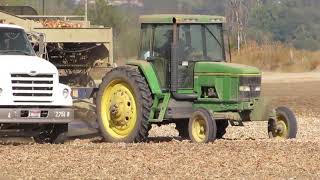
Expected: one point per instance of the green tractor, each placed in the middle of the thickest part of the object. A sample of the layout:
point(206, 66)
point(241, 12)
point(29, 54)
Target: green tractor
point(182, 77)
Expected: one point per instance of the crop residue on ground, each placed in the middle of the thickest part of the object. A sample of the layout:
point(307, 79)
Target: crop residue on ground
point(245, 153)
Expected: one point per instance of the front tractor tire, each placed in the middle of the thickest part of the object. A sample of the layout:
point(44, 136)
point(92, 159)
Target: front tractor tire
point(284, 126)
point(123, 106)
point(202, 127)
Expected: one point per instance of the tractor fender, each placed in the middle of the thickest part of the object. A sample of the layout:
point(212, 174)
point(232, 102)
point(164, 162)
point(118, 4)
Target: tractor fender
point(148, 72)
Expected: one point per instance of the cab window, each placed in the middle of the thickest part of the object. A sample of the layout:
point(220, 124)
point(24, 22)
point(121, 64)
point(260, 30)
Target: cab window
point(146, 37)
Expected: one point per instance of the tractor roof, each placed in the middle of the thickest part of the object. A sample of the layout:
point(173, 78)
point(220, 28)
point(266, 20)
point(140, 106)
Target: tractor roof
point(181, 18)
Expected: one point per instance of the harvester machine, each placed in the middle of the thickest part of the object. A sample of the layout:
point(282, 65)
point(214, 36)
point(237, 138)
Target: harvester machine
point(69, 42)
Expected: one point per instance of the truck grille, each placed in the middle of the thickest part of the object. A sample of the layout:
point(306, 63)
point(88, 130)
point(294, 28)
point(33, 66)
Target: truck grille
point(252, 82)
point(37, 88)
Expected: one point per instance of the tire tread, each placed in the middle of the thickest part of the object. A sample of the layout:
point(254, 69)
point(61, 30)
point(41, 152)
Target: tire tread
point(144, 97)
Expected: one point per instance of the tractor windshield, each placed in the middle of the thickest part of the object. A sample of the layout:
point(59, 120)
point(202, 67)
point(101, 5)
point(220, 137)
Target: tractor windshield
point(14, 42)
point(201, 42)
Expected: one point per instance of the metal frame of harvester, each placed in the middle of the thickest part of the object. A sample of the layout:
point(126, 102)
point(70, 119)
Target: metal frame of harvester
point(76, 52)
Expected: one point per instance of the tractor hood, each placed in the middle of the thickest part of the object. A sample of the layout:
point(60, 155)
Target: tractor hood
point(224, 68)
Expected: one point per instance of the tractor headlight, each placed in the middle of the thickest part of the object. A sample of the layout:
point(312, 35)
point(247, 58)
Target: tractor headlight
point(65, 93)
point(258, 88)
point(244, 88)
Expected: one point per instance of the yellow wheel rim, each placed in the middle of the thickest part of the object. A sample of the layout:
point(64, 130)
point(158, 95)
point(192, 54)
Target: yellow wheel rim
point(199, 129)
point(118, 109)
point(281, 131)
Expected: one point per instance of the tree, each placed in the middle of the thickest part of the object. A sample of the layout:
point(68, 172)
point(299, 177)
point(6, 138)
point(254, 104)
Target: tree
point(237, 16)
point(51, 6)
point(289, 21)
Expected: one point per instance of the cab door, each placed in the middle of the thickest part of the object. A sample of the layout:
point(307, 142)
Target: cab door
point(156, 49)
point(189, 45)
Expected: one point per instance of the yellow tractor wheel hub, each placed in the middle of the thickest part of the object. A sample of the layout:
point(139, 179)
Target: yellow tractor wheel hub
point(199, 129)
point(282, 128)
point(118, 109)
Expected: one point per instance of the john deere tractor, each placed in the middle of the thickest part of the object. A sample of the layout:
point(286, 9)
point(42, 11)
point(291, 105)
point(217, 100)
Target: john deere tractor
point(181, 76)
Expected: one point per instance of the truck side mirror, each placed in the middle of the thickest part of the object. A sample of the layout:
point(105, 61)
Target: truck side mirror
point(41, 45)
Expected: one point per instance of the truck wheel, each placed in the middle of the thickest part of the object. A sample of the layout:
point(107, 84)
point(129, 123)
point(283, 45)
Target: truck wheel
point(52, 134)
point(202, 127)
point(182, 128)
point(221, 128)
point(123, 106)
point(284, 126)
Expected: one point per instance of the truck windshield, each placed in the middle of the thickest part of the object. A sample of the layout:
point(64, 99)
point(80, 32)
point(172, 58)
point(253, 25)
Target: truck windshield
point(201, 42)
point(14, 42)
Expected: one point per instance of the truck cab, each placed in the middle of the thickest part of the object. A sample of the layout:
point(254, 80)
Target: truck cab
point(32, 101)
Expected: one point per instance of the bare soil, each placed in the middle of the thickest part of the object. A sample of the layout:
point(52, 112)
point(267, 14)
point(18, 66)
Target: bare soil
point(245, 153)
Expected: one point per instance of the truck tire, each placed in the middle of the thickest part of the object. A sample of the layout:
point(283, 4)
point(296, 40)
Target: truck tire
point(221, 128)
point(202, 127)
point(284, 126)
point(52, 134)
point(123, 106)
point(182, 128)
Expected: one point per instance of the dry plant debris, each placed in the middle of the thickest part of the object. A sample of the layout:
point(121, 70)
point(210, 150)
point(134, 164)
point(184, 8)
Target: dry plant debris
point(246, 153)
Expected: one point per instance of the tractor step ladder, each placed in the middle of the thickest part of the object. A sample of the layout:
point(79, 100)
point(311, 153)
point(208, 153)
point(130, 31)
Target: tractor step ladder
point(164, 100)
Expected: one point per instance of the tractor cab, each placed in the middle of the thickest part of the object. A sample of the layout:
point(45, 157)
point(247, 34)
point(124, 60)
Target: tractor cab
point(181, 41)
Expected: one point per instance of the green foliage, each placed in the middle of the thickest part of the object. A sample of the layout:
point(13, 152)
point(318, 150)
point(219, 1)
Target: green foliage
point(12, 2)
point(52, 7)
point(124, 23)
point(290, 21)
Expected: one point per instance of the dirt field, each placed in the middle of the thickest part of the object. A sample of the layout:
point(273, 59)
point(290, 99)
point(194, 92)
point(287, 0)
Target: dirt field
point(246, 153)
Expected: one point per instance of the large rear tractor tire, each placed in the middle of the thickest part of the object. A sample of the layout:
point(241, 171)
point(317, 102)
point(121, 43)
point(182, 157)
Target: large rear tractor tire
point(123, 106)
point(284, 126)
point(202, 127)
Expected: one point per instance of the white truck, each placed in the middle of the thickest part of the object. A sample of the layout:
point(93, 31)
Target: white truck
point(32, 101)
